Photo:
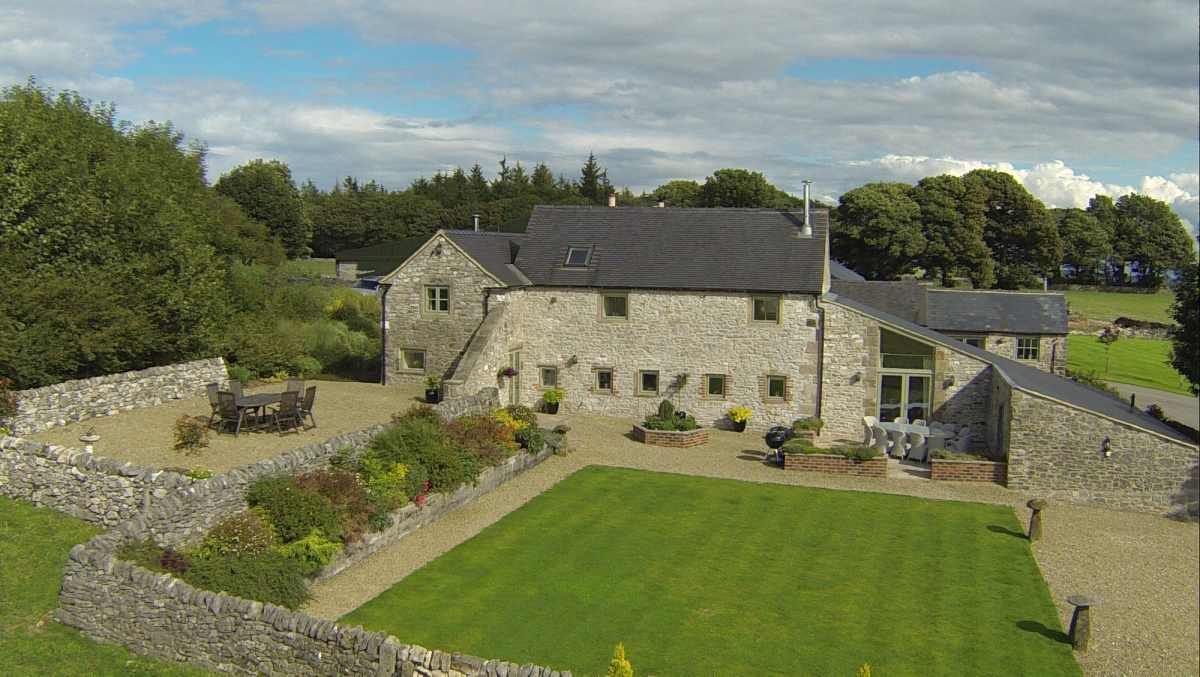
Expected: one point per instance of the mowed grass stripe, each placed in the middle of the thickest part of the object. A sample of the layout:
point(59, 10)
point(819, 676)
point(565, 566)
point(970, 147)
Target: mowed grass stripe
point(700, 576)
point(1141, 362)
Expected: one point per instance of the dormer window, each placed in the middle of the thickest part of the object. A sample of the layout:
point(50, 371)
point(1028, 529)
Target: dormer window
point(578, 257)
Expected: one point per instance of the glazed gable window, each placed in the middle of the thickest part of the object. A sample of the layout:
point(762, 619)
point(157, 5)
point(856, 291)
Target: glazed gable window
point(1028, 348)
point(614, 306)
point(764, 309)
point(437, 300)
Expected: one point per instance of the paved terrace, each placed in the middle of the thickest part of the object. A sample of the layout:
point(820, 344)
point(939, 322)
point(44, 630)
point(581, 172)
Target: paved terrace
point(1145, 568)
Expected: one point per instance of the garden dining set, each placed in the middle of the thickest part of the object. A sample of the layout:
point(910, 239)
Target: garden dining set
point(914, 440)
point(236, 410)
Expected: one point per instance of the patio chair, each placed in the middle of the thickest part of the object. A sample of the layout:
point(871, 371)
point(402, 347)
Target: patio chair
point(868, 434)
point(288, 413)
point(235, 387)
point(963, 444)
point(936, 425)
point(919, 421)
point(880, 440)
point(965, 432)
point(296, 385)
point(949, 427)
point(899, 443)
point(310, 395)
point(902, 420)
point(213, 402)
point(917, 449)
point(228, 412)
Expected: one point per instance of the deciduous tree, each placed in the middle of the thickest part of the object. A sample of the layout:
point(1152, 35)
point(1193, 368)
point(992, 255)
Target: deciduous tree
point(1018, 231)
point(1185, 336)
point(877, 231)
point(267, 193)
point(952, 219)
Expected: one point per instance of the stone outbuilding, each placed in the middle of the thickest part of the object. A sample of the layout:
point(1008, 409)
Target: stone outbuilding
point(622, 307)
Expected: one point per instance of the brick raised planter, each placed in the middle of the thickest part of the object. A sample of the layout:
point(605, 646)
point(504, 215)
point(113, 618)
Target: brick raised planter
point(671, 438)
point(836, 464)
point(969, 471)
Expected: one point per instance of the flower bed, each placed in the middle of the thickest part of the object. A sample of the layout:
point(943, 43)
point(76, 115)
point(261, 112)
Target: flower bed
point(969, 471)
point(680, 439)
point(836, 464)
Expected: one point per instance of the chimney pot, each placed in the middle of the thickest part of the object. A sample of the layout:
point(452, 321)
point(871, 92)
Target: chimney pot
point(807, 230)
point(476, 217)
point(612, 199)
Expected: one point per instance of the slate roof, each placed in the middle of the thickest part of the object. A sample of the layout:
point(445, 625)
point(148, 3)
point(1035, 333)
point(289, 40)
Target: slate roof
point(838, 271)
point(962, 310)
point(997, 311)
point(1029, 378)
point(676, 248)
point(494, 251)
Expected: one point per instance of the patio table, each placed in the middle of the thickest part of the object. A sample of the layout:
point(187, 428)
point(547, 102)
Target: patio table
point(257, 402)
point(934, 437)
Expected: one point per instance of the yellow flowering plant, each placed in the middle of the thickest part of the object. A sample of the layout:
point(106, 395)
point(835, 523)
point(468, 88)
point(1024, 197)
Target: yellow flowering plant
point(740, 414)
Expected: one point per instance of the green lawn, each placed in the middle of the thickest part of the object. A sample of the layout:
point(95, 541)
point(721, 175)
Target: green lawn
point(1106, 307)
point(700, 576)
point(1141, 362)
point(33, 549)
point(316, 266)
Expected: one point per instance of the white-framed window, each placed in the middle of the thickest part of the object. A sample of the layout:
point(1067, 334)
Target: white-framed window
point(412, 359)
point(578, 257)
point(1028, 348)
point(764, 309)
point(604, 380)
point(437, 299)
point(714, 386)
point(776, 388)
point(548, 377)
point(614, 306)
point(647, 382)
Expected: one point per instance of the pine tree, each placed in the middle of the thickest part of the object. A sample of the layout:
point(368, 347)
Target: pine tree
point(618, 666)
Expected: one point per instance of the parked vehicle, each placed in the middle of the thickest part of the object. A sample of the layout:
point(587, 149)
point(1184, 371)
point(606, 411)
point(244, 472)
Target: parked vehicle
point(367, 285)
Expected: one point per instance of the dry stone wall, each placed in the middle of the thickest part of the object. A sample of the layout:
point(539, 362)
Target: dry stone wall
point(62, 403)
point(1058, 451)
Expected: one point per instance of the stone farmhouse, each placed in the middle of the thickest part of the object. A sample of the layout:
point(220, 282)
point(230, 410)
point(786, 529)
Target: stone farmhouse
point(714, 308)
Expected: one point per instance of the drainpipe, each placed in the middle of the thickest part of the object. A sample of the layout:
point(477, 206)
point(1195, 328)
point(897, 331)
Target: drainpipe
point(820, 355)
point(383, 327)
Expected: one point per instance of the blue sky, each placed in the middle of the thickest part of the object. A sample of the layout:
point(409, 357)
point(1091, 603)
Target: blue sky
point(1073, 100)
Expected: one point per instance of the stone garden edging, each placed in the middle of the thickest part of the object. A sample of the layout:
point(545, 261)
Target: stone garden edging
point(836, 464)
point(54, 405)
point(949, 470)
point(678, 439)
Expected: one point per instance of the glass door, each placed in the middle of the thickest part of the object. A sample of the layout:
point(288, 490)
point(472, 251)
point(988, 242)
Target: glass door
point(904, 395)
point(514, 383)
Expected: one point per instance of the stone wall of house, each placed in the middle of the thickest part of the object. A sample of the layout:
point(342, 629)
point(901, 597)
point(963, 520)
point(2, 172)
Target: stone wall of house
point(999, 415)
point(441, 335)
point(670, 332)
point(850, 382)
point(850, 389)
point(62, 403)
point(1052, 351)
point(1057, 451)
point(485, 401)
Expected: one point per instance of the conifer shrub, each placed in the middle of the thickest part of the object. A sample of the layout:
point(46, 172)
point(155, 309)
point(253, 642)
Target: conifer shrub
point(619, 666)
point(311, 553)
point(269, 576)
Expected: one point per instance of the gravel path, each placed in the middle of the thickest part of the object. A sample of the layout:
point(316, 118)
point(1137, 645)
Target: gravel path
point(1144, 568)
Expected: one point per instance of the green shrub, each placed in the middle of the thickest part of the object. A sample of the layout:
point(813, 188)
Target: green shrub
point(948, 455)
point(293, 510)
point(666, 410)
point(388, 483)
point(656, 422)
point(487, 438)
point(242, 535)
point(531, 439)
point(239, 373)
point(8, 399)
point(145, 554)
point(350, 500)
point(197, 473)
point(419, 438)
point(262, 347)
point(808, 423)
point(1089, 378)
point(522, 413)
point(555, 396)
point(312, 553)
point(799, 445)
point(859, 452)
point(191, 435)
point(267, 577)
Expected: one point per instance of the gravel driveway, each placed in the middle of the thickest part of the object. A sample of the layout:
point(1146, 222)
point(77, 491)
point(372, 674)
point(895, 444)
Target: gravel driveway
point(1145, 569)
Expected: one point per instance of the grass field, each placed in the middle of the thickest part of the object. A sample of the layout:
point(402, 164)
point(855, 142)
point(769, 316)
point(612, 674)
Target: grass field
point(1106, 307)
point(33, 549)
point(317, 266)
point(700, 576)
point(1142, 362)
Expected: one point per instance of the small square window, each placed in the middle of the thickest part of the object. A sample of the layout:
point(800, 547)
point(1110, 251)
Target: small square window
point(578, 257)
point(776, 387)
point(648, 382)
point(615, 306)
point(766, 309)
point(413, 360)
point(714, 386)
point(604, 380)
point(437, 299)
point(1028, 348)
point(549, 377)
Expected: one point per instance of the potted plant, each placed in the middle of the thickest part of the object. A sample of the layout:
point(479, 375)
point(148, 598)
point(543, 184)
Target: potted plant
point(433, 385)
point(739, 416)
point(553, 398)
point(809, 426)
